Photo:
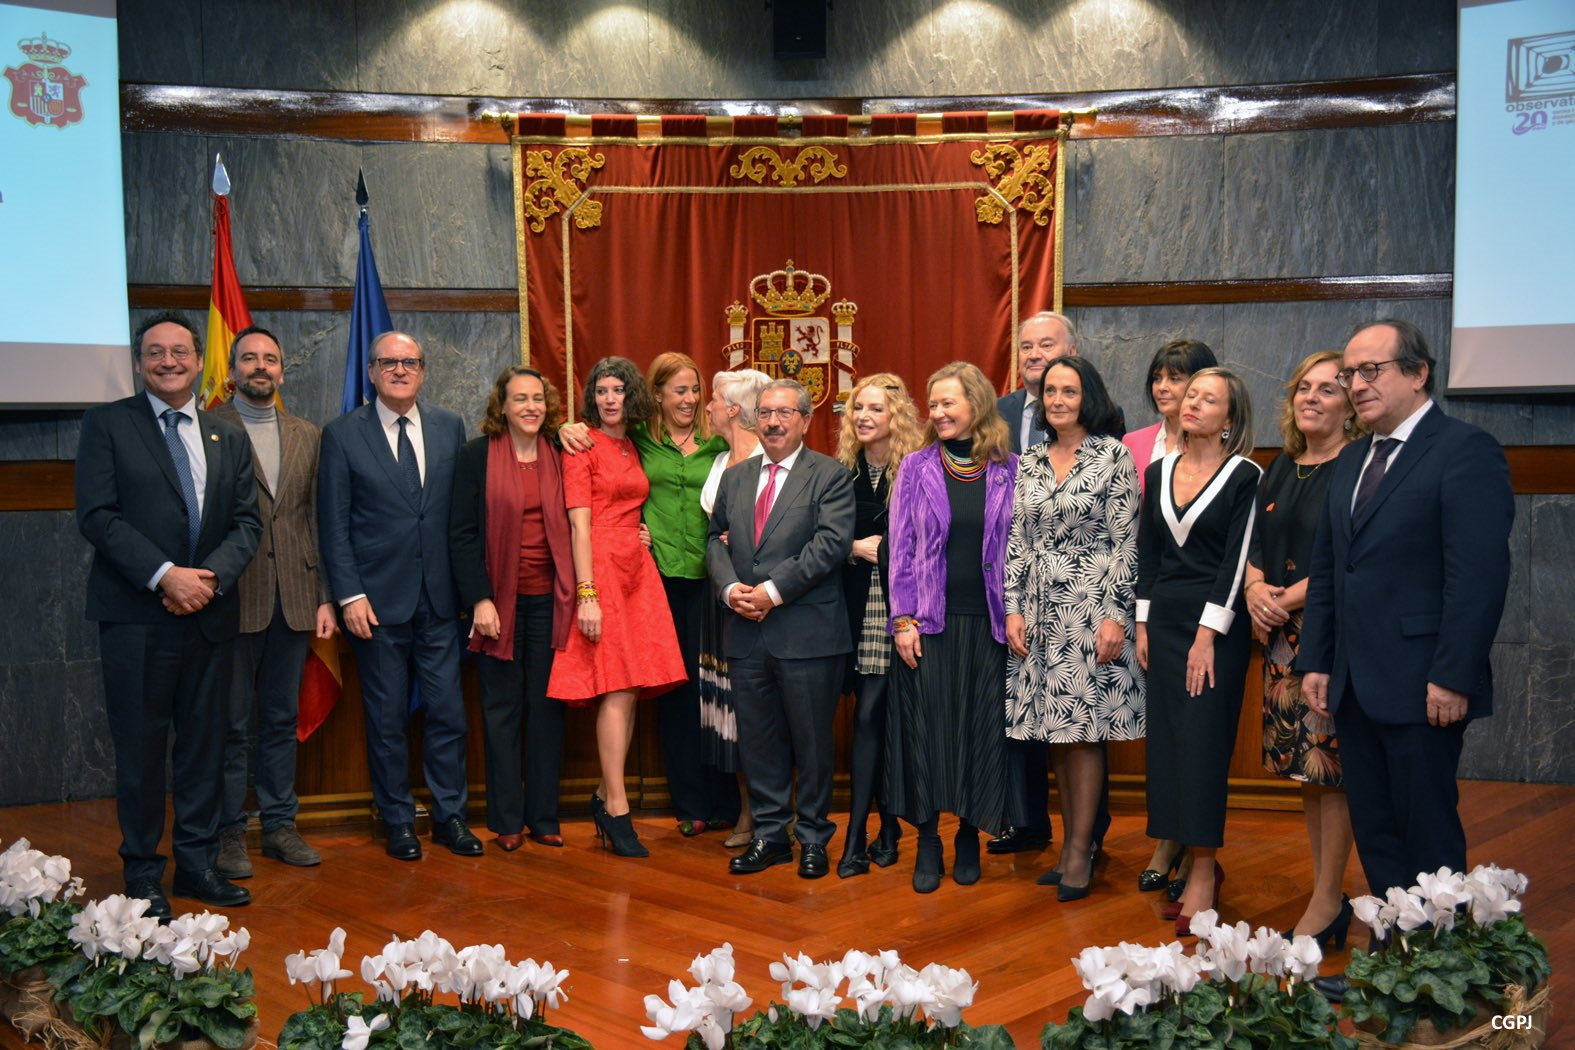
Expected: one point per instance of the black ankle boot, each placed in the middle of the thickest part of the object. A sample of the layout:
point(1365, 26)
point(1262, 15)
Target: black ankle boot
point(617, 834)
point(928, 866)
point(965, 869)
point(884, 853)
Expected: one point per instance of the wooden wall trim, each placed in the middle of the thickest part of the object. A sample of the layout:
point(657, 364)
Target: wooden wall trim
point(1535, 470)
point(1153, 293)
point(361, 116)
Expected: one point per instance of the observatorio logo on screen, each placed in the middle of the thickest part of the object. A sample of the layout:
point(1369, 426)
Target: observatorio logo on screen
point(1539, 84)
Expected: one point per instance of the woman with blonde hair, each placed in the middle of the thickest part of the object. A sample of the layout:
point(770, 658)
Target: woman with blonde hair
point(951, 511)
point(1317, 421)
point(879, 427)
point(1192, 636)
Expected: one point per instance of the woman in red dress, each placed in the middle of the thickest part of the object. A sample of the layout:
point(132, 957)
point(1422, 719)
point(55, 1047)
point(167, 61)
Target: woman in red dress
point(624, 646)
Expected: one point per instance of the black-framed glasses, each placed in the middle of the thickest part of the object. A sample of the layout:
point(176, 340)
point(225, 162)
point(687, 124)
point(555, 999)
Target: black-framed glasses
point(1369, 372)
point(783, 414)
point(409, 364)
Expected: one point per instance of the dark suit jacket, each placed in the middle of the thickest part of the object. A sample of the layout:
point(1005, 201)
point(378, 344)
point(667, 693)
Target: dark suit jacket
point(373, 538)
point(1412, 593)
point(802, 549)
point(130, 508)
point(286, 558)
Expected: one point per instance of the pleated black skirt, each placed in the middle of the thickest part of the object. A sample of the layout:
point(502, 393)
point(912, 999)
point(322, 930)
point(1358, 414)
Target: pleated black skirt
point(946, 730)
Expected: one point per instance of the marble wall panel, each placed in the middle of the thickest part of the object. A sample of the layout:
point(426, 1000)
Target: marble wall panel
point(160, 42)
point(30, 435)
point(32, 618)
point(1358, 201)
point(1145, 209)
point(1496, 747)
point(1552, 586)
point(265, 44)
point(1550, 691)
point(1121, 342)
point(168, 180)
point(1515, 626)
point(1415, 38)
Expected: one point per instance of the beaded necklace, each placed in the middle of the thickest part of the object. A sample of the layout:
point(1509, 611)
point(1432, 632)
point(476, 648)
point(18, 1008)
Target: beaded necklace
point(963, 468)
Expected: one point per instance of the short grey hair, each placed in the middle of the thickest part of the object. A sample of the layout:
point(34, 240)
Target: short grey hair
point(741, 389)
point(1051, 315)
point(805, 405)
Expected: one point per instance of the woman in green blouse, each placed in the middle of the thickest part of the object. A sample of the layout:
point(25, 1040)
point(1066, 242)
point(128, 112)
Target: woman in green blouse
point(676, 449)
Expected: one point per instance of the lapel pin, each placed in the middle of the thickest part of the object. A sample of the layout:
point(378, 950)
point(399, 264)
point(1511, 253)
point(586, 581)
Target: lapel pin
point(213, 437)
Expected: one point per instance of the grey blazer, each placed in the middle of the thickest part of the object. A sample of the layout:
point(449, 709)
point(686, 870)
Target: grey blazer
point(802, 549)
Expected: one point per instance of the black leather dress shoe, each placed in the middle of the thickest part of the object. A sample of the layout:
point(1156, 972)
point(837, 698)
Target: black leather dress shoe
point(1332, 987)
point(761, 855)
point(812, 863)
point(853, 864)
point(150, 891)
point(1018, 840)
point(457, 837)
point(208, 887)
point(402, 842)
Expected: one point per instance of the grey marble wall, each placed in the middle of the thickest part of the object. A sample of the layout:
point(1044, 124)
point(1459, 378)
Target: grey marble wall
point(1359, 201)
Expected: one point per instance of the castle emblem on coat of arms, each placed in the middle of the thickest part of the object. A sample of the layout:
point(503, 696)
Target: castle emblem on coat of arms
point(42, 90)
point(790, 340)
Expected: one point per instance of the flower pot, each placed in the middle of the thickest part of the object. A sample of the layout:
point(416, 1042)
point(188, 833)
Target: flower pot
point(121, 1041)
point(1527, 1034)
point(27, 1000)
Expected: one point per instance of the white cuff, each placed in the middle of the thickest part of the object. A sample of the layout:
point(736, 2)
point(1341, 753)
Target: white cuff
point(153, 584)
point(771, 589)
point(1142, 610)
point(1218, 617)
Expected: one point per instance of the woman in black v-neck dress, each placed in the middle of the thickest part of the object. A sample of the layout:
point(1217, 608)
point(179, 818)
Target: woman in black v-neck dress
point(1194, 633)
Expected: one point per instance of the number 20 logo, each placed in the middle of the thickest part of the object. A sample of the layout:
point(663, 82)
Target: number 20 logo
point(1534, 120)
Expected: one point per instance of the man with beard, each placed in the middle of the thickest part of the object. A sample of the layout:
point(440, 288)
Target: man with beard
point(283, 602)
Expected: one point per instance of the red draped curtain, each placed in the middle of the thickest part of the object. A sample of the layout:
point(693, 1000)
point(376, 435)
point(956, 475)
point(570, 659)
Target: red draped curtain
point(822, 256)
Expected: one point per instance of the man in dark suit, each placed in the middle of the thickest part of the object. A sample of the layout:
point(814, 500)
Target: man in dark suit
point(781, 530)
point(1405, 588)
point(384, 484)
point(165, 495)
point(283, 599)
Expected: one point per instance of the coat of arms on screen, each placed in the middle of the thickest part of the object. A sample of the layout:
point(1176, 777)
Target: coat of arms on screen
point(791, 340)
point(42, 90)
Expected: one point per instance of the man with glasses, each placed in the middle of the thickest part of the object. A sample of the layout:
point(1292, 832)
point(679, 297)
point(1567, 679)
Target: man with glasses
point(1405, 588)
point(385, 477)
point(284, 600)
point(165, 495)
point(781, 530)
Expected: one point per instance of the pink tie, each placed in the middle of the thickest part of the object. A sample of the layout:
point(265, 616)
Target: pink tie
point(763, 504)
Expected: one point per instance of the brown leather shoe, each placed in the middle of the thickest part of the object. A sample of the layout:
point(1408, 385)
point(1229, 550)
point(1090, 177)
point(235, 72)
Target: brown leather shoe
point(547, 838)
point(510, 843)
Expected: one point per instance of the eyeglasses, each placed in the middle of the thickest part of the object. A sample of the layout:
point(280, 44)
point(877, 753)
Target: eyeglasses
point(409, 364)
point(1369, 372)
point(173, 353)
point(783, 414)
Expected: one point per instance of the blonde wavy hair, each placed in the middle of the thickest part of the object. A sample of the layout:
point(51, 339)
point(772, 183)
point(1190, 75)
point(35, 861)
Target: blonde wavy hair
point(905, 434)
point(1295, 441)
point(991, 439)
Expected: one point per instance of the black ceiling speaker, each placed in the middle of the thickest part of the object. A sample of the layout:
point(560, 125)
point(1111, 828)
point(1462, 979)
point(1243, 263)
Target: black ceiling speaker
point(798, 28)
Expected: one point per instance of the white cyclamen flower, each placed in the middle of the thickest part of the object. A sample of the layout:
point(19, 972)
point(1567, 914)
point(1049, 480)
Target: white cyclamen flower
point(1408, 910)
point(1268, 952)
point(813, 1004)
point(953, 993)
point(717, 966)
point(1304, 957)
point(358, 1033)
point(1374, 914)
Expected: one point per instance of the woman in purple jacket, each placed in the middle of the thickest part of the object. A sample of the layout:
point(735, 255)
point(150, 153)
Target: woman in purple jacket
point(951, 510)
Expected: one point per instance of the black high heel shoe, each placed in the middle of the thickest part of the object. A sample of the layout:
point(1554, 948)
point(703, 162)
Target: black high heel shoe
point(855, 859)
point(965, 847)
point(617, 834)
point(884, 853)
point(1152, 881)
point(1337, 931)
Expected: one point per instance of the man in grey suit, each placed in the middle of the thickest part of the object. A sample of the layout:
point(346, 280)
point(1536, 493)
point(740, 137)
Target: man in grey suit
point(165, 495)
point(284, 600)
point(781, 530)
point(385, 481)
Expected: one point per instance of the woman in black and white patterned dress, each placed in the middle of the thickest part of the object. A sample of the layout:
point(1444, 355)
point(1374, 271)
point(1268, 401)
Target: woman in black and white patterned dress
point(1071, 564)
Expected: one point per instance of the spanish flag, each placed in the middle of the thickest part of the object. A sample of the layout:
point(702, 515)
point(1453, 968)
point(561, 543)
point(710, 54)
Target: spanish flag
point(227, 313)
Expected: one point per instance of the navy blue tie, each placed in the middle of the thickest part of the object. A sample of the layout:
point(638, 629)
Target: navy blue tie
point(188, 488)
point(409, 469)
point(1372, 476)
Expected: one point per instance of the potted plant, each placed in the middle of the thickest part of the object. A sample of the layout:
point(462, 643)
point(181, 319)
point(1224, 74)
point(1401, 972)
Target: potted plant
point(1241, 989)
point(36, 892)
point(172, 985)
point(1449, 953)
point(893, 1005)
point(499, 1003)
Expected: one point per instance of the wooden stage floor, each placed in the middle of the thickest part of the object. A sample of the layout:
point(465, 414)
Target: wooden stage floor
point(625, 927)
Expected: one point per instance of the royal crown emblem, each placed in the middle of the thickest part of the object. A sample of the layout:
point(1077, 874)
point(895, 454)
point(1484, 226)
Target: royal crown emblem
point(42, 90)
point(792, 341)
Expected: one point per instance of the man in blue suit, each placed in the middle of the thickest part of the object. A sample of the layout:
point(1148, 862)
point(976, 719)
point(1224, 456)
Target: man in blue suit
point(1405, 589)
point(385, 477)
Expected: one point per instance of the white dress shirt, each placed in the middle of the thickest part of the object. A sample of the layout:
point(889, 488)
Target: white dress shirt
point(784, 467)
point(390, 420)
point(1402, 434)
point(191, 437)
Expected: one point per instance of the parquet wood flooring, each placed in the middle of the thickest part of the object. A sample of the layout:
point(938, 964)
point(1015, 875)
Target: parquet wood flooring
point(625, 927)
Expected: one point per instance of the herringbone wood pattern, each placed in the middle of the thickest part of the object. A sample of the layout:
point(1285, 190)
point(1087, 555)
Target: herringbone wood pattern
point(625, 927)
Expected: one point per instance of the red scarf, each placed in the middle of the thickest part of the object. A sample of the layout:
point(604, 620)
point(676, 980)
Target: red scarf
point(505, 504)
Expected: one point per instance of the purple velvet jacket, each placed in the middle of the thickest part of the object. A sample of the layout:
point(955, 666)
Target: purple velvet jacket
point(921, 517)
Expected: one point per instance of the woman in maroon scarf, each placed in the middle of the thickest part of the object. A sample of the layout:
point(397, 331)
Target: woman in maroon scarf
point(509, 544)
